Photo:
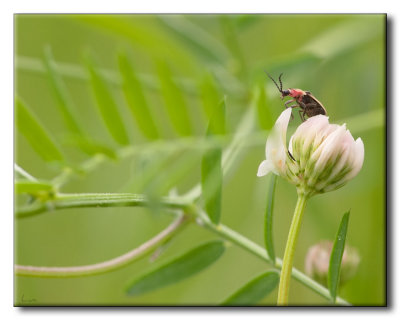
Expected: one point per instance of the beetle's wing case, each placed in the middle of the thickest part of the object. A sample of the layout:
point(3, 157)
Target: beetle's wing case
point(309, 96)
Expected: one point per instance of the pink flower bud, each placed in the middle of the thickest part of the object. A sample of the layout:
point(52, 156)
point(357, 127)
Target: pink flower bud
point(317, 262)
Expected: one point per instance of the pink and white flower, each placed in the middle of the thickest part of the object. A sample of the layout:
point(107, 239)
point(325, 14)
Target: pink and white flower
point(321, 157)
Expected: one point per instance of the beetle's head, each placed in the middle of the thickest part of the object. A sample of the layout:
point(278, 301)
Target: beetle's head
point(285, 93)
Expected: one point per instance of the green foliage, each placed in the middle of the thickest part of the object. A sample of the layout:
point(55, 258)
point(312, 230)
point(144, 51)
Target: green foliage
point(264, 114)
point(33, 187)
point(40, 140)
point(337, 255)
point(255, 290)
point(211, 172)
point(64, 101)
point(268, 239)
point(106, 104)
point(211, 99)
point(134, 95)
point(174, 100)
point(199, 60)
point(195, 38)
point(332, 43)
point(178, 269)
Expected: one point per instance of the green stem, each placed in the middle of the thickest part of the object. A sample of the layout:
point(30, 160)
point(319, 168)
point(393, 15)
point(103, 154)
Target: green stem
point(95, 200)
point(255, 249)
point(286, 272)
point(108, 265)
point(64, 201)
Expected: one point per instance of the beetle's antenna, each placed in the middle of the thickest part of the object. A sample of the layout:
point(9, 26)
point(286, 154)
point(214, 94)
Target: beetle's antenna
point(280, 81)
point(280, 89)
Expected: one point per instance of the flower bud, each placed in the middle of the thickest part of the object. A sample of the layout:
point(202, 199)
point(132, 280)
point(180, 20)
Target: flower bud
point(317, 262)
point(321, 157)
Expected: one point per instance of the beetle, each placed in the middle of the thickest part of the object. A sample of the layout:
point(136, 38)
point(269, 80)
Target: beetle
point(308, 104)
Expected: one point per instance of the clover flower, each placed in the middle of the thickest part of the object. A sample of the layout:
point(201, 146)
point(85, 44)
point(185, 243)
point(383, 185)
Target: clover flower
point(321, 157)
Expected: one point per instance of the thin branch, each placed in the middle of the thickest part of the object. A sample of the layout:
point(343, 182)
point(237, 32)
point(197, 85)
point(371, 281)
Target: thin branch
point(64, 201)
point(23, 173)
point(96, 200)
point(105, 266)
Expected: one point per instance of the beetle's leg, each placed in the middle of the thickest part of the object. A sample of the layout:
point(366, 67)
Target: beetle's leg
point(292, 106)
point(301, 113)
point(287, 102)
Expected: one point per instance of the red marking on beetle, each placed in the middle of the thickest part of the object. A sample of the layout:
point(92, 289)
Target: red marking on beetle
point(296, 93)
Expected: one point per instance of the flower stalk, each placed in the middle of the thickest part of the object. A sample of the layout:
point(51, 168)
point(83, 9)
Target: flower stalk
point(286, 272)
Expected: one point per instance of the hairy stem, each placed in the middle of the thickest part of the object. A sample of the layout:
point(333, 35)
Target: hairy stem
point(108, 265)
point(286, 272)
point(65, 201)
point(95, 200)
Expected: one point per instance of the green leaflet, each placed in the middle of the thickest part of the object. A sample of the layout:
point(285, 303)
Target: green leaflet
point(211, 99)
point(33, 187)
point(336, 256)
point(265, 119)
point(34, 132)
point(330, 42)
point(174, 100)
point(268, 239)
point(244, 21)
point(64, 101)
point(145, 35)
point(178, 269)
point(211, 175)
point(78, 137)
point(92, 147)
point(135, 98)
point(254, 290)
point(106, 105)
point(211, 183)
point(196, 38)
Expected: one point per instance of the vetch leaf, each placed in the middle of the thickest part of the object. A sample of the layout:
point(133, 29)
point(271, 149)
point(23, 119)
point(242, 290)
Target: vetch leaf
point(268, 239)
point(229, 30)
point(331, 42)
point(106, 105)
point(92, 147)
point(178, 269)
point(264, 114)
point(174, 100)
point(33, 187)
point(211, 100)
point(211, 177)
point(134, 95)
point(145, 35)
point(195, 38)
point(243, 21)
point(64, 101)
point(34, 132)
point(255, 290)
point(336, 256)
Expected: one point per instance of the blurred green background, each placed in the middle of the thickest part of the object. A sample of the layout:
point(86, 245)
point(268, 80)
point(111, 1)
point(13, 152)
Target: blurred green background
point(339, 58)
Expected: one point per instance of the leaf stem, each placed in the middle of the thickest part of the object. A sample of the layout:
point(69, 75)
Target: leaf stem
point(107, 265)
point(95, 200)
point(23, 173)
point(286, 272)
point(65, 201)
